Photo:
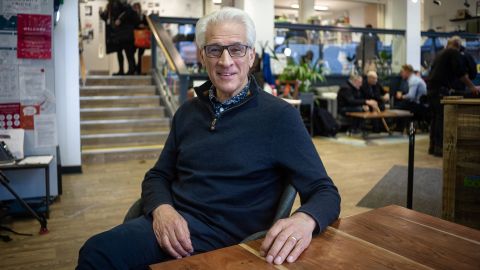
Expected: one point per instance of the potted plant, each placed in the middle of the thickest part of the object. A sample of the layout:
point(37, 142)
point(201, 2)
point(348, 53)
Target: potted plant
point(303, 75)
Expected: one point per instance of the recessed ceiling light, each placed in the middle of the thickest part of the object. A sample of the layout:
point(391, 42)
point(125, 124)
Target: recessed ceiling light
point(321, 8)
point(217, 1)
point(295, 6)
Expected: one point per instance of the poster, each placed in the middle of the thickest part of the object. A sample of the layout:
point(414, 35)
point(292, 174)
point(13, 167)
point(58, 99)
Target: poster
point(10, 115)
point(27, 6)
point(34, 36)
point(9, 83)
point(45, 130)
point(31, 82)
point(27, 112)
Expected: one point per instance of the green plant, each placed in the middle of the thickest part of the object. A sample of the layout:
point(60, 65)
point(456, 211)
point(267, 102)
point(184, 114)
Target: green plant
point(304, 73)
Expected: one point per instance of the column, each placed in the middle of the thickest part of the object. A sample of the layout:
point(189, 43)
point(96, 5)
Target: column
point(262, 14)
point(413, 31)
point(306, 10)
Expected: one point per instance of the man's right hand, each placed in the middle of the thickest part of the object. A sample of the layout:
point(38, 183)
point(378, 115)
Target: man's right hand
point(171, 231)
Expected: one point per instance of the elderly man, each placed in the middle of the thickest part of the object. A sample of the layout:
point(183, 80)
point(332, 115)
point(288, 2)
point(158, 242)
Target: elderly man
point(372, 89)
point(223, 168)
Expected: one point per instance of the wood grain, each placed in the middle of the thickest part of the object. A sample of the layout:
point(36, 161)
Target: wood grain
point(424, 244)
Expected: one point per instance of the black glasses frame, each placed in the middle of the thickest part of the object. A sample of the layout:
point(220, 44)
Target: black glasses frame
point(227, 48)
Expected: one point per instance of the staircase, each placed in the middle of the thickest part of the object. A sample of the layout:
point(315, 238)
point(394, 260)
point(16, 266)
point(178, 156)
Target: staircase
point(121, 119)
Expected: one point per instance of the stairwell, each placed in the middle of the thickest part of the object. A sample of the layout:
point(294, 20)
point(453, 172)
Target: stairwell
point(121, 119)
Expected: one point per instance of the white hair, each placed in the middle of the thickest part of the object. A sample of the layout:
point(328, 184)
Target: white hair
point(226, 14)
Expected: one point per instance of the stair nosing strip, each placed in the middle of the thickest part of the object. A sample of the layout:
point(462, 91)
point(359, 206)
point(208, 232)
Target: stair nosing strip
point(115, 87)
point(123, 121)
point(124, 77)
point(123, 135)
point(89, 98)
point(121, 149)
point(121, 109)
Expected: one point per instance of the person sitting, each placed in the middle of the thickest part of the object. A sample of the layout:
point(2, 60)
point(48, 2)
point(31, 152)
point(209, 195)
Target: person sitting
point(372, 89)
point(222, 170)
point(350, 98)
point(416, 89)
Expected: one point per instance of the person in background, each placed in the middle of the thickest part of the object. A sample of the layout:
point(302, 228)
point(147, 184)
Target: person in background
point(350, 98)
point(448, 67)
point(416, 89)
point(142, 24)
point(120, 20)
point(224, 167)
point(372, 89)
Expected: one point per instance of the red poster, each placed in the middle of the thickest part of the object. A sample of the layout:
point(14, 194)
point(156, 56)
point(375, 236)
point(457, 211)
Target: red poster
point(10, 115)
point(34, 36)
point(26, 115)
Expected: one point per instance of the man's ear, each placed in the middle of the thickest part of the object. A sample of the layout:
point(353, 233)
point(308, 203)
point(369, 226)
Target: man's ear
point(200, 56)
point(251, 57)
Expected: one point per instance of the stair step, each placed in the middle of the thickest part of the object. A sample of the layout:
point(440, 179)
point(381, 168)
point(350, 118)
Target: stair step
point(117, 90)
point(119, 101)
point(124, 125)
point(118, 80)
point(112, 154)
point(124, 139)
point(111, 113)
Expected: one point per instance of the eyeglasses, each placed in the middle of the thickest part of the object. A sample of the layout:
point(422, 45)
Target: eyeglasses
point(235, 50)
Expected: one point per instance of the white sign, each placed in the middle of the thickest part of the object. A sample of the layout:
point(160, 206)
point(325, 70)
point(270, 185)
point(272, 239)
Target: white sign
point(31, 82)
point(21, 6)
point(9, 83)
point(45, 130)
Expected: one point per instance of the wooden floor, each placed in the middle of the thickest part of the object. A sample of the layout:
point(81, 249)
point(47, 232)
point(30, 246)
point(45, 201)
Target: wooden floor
point(99, 198)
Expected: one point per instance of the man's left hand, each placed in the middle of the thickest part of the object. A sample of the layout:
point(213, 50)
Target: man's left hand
point(288, 238)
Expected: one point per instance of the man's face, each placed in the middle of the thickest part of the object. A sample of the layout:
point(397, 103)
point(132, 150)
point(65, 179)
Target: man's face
point(372, 80)
point(404, 74)
point(228, 74)
point(358, 83)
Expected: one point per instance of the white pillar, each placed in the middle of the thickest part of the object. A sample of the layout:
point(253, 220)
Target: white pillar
point(405, 14)
point(306, 10)
point(262, 14)
point(413, 37)
point(67, 89)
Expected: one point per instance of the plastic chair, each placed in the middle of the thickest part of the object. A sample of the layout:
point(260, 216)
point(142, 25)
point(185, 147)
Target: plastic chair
point(283, 211)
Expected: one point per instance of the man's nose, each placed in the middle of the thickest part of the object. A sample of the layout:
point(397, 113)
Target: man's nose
point(225, 58)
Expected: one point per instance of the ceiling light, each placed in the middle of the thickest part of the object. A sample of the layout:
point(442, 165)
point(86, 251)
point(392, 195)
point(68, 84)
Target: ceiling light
point(321, 8)
point(287, 52)
point(295, 6)
point(217, 1)
point(414, 1)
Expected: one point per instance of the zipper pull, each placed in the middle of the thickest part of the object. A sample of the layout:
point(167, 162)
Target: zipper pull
point(212, 125)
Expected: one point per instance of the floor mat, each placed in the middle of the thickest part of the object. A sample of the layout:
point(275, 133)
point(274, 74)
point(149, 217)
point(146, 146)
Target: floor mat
point(392, 189)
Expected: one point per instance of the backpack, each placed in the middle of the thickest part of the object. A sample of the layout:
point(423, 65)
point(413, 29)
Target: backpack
point(324, 123)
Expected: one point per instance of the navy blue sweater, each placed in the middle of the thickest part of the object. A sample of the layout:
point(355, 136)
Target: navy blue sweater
point(226, 175)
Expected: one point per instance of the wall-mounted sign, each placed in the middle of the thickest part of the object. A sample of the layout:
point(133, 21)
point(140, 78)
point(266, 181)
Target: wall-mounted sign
point(34, 36)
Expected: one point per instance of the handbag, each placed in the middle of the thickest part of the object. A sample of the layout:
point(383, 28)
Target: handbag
point(142, 38)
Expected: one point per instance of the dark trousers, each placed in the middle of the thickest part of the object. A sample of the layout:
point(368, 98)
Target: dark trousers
point(133, 245)
point(129, 50)
point(436, 128)
point(356, 123)
point(140, 52)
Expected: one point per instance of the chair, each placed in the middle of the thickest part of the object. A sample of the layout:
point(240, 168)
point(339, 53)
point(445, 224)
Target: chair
point(283, 211)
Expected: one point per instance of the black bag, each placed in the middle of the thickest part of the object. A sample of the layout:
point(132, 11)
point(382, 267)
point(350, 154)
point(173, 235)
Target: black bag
point(325, 124)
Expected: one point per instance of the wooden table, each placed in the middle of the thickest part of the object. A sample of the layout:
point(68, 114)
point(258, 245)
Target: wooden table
point(392, 237)
point(378, 115)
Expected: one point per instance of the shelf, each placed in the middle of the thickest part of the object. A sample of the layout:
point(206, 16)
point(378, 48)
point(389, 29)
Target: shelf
point(466, 19)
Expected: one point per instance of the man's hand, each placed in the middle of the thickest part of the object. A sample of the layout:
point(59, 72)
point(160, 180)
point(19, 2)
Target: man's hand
point(475, 90)
point(171, 231)
point(117, 22)
point(288, 238)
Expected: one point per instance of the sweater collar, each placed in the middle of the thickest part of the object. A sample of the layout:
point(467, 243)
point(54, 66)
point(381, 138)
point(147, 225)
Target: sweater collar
point(202, 91)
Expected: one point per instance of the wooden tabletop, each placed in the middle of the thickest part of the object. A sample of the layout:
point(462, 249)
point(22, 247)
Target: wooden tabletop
point(460, 101)
point(384, 114)
point(392, 237)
